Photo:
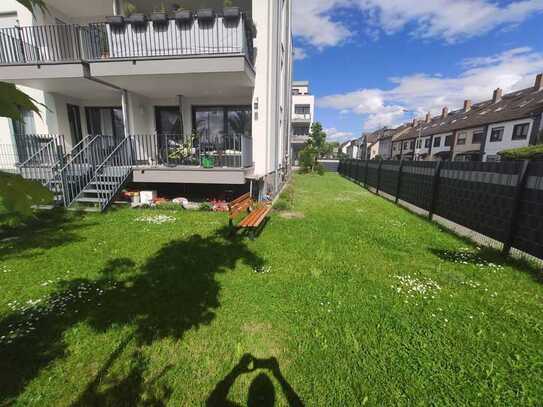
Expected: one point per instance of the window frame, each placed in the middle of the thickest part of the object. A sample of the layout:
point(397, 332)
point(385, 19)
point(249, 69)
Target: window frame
point(477, 141)
point(437, 142)
point(496, 140)
point(517, 126)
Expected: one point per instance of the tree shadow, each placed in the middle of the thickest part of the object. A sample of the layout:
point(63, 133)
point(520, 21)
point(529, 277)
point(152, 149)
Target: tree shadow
point(173, 292)
point(261, 391)
point(46, 230)
point(489, 257)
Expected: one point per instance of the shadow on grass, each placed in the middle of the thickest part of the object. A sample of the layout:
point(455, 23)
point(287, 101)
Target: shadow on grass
point(487, 257)
point(261, 391)
point(46, 230)
point(173, 292)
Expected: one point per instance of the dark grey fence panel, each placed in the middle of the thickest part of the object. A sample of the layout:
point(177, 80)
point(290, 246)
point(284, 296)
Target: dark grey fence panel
point(478, 195)
point(389, 177)
point(417, 181)
point(528, 234)
point(373, 175)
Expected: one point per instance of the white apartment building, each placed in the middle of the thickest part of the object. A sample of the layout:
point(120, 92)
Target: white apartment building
point(303, 116)
point(157, 96)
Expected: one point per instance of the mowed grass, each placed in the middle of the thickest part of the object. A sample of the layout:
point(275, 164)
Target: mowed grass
point(346, 299)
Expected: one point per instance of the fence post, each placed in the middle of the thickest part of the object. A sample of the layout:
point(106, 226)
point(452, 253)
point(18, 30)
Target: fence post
point(435, 188)
point(521, 184)
point(358, 168)
point(366, 175)
point(379, 176)
point(399, 184)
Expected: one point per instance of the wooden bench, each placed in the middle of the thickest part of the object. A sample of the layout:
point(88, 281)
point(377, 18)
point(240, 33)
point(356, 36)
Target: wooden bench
point(256, 213)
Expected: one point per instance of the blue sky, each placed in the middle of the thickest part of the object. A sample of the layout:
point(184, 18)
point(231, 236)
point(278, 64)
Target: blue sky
point(370, 61)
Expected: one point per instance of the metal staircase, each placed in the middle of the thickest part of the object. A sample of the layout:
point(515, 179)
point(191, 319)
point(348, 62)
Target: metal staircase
point(109, 177)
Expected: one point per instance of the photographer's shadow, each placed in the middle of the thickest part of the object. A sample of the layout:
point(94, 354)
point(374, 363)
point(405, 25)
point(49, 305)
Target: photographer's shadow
point(261, 390)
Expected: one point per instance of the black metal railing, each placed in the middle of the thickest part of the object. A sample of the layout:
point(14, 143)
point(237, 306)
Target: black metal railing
point(41, 165)
point(103, 41)
point(230, 151)
point(8, 158)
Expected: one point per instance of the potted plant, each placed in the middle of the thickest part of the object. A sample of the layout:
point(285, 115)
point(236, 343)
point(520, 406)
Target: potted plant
point(206, 14)
point(183, 15)
point(230, 12)
point(207, 161)
point(134, 18)
point(159, 16)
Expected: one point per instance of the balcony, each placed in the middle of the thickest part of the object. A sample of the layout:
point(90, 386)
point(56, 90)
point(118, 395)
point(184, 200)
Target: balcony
point(101, 41)
point(301, 118)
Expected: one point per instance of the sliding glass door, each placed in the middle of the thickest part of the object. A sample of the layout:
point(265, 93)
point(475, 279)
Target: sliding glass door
point(221, 130)
point(106, 121)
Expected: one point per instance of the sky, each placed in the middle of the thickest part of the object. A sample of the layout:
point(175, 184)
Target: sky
point(374, 63)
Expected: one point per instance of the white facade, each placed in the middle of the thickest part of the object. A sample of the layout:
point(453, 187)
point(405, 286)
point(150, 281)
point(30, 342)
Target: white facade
point(303, 116)
point(441, 145)
point(495, 143)
point(157, 77)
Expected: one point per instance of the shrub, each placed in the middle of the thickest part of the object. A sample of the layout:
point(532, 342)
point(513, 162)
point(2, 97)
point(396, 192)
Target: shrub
point(281, 205)
point(523, 153)
point(205, 207)
point(171, 206)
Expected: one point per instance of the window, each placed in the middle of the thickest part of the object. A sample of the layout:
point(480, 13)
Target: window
point(461, 139)
point(448, 140)
point(492, 158)
point(437, 142)
point(302, 109)
point(105, 121)
point(296, 91)
point(477, 138)
point(428, 142)
point(214, 123)
point(26, 125)
point(300, 130)
point(406, 145)
point(74, 119)
point(412, 144)
point(496, 134)
point(419, 143)
point(520, 131)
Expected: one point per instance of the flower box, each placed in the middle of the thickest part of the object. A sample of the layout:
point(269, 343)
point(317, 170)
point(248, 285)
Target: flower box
point(115, 21)
point(231, 13)
point(206, 14)
point(183, 16)
point(137, 19)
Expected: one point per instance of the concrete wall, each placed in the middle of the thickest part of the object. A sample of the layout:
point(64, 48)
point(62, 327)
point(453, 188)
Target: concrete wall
point(493, 148)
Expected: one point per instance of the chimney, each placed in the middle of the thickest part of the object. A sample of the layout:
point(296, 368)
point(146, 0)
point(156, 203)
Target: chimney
point(467, 105)
point(498, 93)
point(428, 117)
point(539, 82)
point(444, 112)
point(414, 124)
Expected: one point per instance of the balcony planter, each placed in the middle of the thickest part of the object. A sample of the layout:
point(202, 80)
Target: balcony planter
point(231, 13)
point(183, 16)
point(159, 17)
point(208, 162)
point(115, 21)
point(206, 14)
point(137, 19)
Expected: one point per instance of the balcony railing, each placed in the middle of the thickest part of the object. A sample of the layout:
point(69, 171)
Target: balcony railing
point(103, 41)
point(301, 117)
point(229, 151)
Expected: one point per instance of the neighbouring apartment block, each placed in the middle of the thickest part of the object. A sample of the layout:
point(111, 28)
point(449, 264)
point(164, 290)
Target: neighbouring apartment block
point(183, 89)
point(303, 117)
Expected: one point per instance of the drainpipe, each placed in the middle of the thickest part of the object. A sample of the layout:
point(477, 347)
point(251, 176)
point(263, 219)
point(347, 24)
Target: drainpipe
point(126, 117)
point(180, 104)
point(117, 9)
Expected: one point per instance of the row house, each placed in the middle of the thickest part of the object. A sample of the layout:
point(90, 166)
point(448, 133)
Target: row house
point(476, 132)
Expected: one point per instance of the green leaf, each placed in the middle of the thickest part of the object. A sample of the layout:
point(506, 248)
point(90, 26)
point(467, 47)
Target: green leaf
point(13, 101)
point(19, 195)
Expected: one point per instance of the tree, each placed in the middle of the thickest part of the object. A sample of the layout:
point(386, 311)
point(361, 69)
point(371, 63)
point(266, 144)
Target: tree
point(314, 147)
point(18, 195)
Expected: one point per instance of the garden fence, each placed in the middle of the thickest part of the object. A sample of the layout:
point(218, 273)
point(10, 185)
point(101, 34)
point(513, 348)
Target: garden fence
point(501, 200)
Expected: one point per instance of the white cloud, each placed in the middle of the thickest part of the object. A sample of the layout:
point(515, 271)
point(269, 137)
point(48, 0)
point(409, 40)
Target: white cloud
point(420, 93)
point(300, 54)
point(446, 19)
point(333, 134)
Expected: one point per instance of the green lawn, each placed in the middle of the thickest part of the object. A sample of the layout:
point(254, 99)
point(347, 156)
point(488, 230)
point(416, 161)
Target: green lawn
point(346, 300)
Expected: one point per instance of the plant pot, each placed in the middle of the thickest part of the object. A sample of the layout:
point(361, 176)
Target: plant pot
point(115, 21)
point(231, 13)
point(159, 17)
point(137, 19)
point(206, 14)
point(183, 16)
point(208, 162)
